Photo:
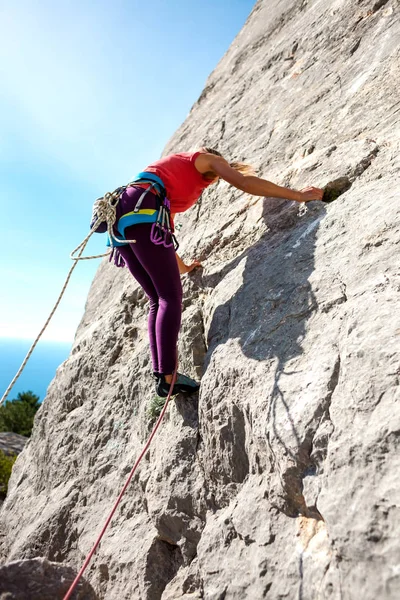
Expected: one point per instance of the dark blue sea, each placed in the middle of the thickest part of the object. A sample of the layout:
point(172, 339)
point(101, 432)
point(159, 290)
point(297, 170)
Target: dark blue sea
point(40, 369)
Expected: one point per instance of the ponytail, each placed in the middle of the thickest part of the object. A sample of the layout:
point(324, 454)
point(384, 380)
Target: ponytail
point(243, 168)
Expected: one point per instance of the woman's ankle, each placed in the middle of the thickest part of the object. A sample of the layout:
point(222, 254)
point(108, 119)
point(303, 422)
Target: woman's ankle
point(168, 378)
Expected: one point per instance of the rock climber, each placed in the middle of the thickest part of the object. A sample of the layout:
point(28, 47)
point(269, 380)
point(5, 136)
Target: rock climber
point(155, 265)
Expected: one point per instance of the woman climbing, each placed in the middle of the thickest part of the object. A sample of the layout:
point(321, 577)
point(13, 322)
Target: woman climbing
point(152, 259)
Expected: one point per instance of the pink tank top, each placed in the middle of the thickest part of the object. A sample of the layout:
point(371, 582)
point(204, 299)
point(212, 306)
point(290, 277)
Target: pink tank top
point(182, 180)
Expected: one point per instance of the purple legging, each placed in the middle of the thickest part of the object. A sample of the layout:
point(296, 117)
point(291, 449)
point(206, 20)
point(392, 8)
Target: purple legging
point(156, 269)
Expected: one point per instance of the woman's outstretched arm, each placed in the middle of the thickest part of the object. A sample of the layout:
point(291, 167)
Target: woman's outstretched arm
point(210, 163)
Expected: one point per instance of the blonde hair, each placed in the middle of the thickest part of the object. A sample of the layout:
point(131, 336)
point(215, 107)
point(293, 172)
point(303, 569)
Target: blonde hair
point(243, 168)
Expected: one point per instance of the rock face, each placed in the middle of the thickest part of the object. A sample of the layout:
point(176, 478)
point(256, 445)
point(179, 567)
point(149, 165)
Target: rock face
point(281, 479)
point(39, 578)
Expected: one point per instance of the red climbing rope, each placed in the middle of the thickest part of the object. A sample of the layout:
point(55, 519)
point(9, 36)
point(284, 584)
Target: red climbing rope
point(110, 516)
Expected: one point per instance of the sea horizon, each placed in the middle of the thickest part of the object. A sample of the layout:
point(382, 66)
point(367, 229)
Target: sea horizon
point(40, 369)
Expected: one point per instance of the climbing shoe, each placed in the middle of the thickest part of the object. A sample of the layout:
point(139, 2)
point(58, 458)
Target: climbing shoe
point(183, 385)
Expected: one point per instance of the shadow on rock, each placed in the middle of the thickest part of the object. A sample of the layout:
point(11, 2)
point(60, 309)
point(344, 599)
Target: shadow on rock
point(188, 408)
point(273, 301)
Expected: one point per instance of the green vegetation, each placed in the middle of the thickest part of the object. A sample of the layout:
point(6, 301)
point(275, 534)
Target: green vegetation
point(6, 464)
point(17, 415)
point(155, 407)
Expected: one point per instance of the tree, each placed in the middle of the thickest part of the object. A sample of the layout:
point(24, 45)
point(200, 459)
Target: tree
point(18, 414)
point(6, 465)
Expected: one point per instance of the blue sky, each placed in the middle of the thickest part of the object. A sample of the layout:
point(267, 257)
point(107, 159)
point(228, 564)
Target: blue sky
point(90, 93)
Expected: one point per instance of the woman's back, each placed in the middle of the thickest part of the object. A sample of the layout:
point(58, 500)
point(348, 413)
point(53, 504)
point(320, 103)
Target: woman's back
point(183, 182)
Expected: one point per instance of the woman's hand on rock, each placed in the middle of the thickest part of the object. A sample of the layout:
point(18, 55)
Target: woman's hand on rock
point(195, 264)
point(310, 193)
point(183, 268)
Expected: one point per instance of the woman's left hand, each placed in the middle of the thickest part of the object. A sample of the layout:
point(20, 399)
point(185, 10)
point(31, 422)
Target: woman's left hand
point(188, 268)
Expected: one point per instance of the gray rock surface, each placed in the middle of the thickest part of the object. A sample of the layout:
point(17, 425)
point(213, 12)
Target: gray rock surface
point(39, 579)
point(280, 480)
point(12, 443)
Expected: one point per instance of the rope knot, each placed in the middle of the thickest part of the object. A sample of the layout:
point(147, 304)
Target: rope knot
point(104, 210)
point(104, 213)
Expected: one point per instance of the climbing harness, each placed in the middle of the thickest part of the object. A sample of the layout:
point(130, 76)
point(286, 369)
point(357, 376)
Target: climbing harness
point(161, 231)
point(110, 516)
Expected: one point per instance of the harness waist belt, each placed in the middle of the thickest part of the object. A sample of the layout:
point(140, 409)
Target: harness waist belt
point(160, 218)
point(146, 177)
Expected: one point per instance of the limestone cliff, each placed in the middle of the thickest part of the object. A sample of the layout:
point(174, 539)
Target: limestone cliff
point(281, 479)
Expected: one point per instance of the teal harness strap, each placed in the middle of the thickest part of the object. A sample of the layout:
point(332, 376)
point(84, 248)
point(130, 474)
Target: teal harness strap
point(140, 215)
point(146, 177)
point(146, 215)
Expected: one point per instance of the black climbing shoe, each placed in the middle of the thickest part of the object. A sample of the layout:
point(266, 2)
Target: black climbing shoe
point(183, 385)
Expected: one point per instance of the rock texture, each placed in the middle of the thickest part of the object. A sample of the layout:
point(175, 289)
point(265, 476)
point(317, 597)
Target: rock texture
point(281, 480)
point(39, 578)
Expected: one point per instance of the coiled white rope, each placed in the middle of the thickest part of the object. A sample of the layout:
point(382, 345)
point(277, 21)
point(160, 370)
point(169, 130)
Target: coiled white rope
point(104, 209)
